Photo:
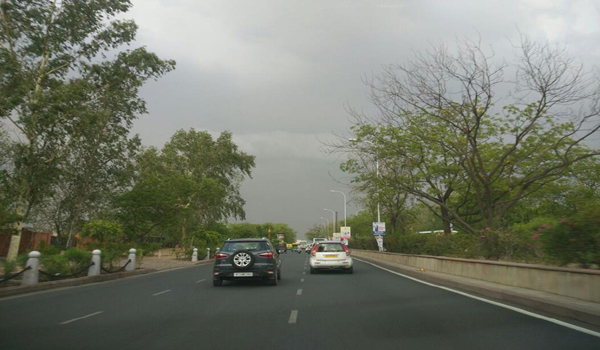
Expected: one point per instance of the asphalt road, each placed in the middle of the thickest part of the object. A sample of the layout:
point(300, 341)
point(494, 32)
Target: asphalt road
point(180, 309)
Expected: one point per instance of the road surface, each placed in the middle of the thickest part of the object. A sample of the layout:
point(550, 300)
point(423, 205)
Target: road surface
point(180, 309)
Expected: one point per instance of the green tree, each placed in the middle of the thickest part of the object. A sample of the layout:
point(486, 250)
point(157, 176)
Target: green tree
point(56, 80)
point(188, 186)
point(465, 148)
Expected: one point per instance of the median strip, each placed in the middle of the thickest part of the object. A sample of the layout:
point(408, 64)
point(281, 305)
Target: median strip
point(82, 317)
point(159, 293)
point(293, 317)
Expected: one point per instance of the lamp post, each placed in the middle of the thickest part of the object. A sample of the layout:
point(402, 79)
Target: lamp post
point(332, 220)
point(344, 204)
point(326, 227)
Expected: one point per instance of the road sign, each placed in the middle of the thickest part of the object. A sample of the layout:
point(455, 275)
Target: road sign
point(345, 231)
point(379, 228)
point(337, 236)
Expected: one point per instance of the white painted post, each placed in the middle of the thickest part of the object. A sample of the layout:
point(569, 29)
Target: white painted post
point(195, 255)
point(32, 276)
point(207, 254)
point(131, 266)
point(94, 270)
point(217, 250)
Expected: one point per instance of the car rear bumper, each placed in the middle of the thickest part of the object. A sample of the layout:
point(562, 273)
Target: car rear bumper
point(231, 274)
point(331, 264)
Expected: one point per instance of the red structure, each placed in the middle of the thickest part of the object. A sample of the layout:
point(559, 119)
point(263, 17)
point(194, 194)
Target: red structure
point(29, 240)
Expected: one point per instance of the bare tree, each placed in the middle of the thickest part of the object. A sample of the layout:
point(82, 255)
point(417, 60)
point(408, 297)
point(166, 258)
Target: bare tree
point(474, 141)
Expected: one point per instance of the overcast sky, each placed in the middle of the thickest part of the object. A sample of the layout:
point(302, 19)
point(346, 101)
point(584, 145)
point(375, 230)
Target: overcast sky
point(278, 75)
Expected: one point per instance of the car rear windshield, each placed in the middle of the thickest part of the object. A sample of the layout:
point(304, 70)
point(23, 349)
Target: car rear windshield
point(330, 247)
point(252, 246)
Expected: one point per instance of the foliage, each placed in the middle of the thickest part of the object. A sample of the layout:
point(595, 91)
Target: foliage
point(575, 239)
point(78, 259)
point(55, 264)
point(102, 230)
point(9, 267)
point(47, 249)
point(448, 138)
point(70, 91)
point(189, 185)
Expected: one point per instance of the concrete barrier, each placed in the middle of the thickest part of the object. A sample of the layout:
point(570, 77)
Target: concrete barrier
point(574, 283)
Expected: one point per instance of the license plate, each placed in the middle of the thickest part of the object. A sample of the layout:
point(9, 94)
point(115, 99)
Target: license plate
point(242, 274)
point(331, 256)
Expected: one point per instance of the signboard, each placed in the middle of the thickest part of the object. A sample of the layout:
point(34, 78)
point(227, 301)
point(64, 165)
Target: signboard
point(345, 231)
point(281, 236)
point(379, 228)
point(337, 236)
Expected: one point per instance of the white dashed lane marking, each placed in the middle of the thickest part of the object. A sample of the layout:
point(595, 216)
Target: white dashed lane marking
point(81, 318)
point(201, 281)
point(163, 292)
point(293, 317)
point(299, 292)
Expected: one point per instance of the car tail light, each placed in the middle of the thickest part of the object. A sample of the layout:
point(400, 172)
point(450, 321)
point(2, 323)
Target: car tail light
point(346, 249)
point(221, 255)
point(313, 252)
point(266, 255)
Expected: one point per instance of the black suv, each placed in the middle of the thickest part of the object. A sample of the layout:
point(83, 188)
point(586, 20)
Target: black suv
point(243, 259)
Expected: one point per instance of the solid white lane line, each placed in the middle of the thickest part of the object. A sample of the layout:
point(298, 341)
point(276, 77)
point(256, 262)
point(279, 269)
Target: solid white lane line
point(302, 280)
point(516, 309)
point(81, 318)
point(201, 280)
point(159, 293)
point(299, 292)
point(293, 317)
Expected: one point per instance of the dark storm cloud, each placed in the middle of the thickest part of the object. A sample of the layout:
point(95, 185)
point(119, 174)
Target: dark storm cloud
point(279, 73)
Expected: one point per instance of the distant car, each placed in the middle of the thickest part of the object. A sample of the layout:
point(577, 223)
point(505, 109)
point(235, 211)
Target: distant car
point(245, 259)
point(329, 255)
point(281, 248)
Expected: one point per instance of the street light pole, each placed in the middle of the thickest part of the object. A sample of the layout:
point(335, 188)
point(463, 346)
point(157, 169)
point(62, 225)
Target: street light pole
point(344, 204)
point(332, 221)
point(326, 227)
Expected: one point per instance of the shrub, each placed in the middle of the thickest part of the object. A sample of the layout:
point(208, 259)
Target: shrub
point(22, 260)
point(573, 240)
point(55, 264)
point(46, 249)
point(78, 259)
point(9, 267)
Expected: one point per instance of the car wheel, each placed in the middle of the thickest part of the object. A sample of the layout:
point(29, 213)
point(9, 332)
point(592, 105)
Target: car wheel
point(243, 259)
point(217, 282)
point(273, 281)
point(350, 270)
point(279, 274)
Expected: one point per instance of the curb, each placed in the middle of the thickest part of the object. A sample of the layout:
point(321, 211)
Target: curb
point(10, 291)
point(540, 304)
point(17, 290)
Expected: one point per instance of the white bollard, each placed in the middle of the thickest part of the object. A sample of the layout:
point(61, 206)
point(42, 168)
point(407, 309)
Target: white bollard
point(207, 254)
point(32, 276)
point(195, 255)
point(94, 270)
point(217, 250)
point(131, 265)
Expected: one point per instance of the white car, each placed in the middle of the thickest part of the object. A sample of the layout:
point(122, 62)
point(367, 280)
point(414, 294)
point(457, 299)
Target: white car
point(330, 255)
